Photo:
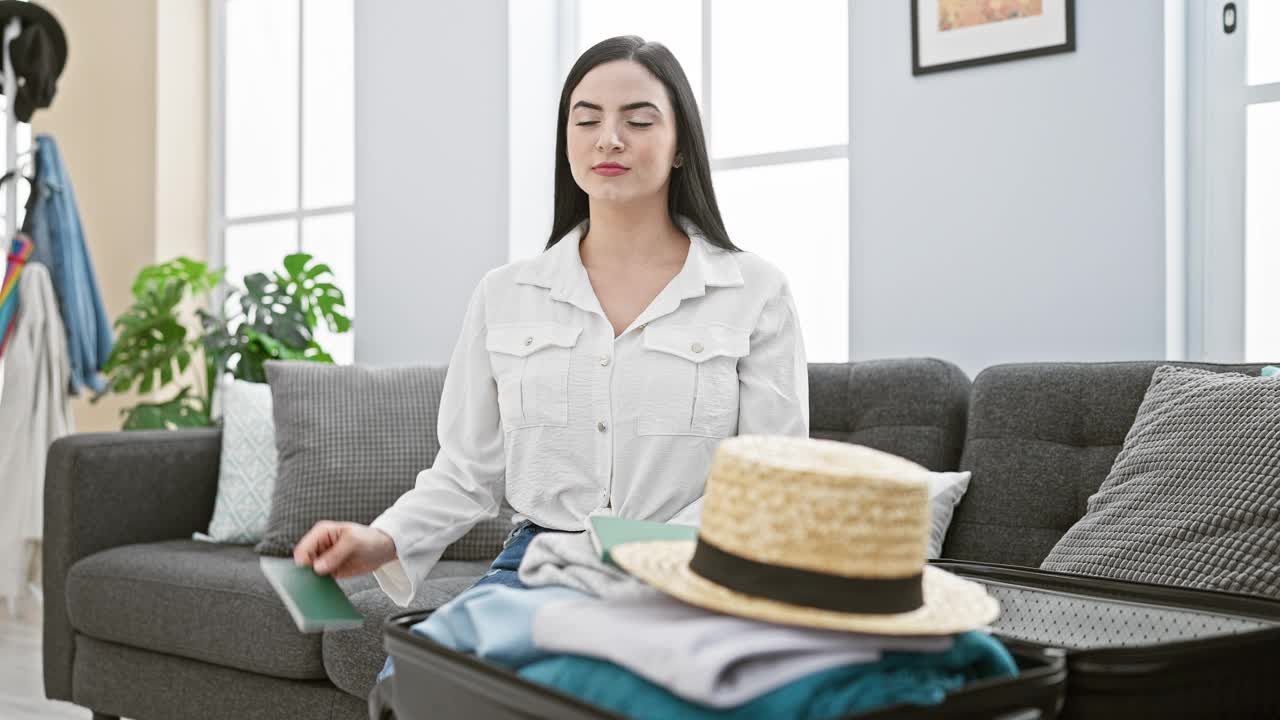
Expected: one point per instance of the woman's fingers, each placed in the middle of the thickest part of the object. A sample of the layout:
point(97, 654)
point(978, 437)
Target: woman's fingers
point(335, 556)
point(314, 543)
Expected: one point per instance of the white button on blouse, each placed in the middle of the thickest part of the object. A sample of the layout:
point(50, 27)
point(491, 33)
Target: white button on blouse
point(527, 410)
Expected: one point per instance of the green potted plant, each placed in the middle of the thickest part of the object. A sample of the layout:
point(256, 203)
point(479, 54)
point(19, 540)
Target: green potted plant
point(269, 317)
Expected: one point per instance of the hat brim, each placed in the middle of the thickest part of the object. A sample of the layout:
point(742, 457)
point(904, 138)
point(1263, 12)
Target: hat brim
point(951, 604)
point(32, 13)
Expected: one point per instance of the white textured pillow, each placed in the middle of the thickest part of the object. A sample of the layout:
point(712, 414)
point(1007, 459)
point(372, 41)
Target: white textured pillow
point(247, 469)
point(945, 491)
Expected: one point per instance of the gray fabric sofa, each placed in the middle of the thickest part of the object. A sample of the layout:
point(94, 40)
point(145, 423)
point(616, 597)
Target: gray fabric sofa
point(142, 622)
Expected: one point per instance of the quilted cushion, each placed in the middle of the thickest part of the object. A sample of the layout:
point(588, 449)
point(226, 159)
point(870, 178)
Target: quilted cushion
point(351, 440)
point(1193, 498)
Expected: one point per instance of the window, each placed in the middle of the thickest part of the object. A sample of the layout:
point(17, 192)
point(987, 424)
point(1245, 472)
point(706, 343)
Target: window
point(283, 140)
point(777, 126)
point(1262, 182)
point(1233, 181)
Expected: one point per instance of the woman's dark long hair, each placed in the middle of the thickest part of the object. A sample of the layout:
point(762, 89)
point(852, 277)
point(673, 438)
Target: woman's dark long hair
point(690, 193)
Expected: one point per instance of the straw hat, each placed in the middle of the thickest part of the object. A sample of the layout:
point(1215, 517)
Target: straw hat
point(816, 533)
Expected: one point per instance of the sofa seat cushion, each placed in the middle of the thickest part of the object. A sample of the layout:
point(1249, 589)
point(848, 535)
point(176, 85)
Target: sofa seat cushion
point(353, 657)
point(200, 600)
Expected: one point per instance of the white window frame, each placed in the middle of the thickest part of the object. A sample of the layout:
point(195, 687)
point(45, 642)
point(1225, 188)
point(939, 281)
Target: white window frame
point(218, 220)
point(568, 54)
point(1217, 98)
point(565, 52)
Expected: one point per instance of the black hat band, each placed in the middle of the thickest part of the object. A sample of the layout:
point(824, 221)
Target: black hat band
point(809, 588)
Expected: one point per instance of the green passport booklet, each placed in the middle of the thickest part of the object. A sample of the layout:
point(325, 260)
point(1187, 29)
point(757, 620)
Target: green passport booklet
point(607, 532)
point(316, 602)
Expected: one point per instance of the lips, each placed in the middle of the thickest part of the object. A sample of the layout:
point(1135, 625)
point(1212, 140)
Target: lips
point(609, 169)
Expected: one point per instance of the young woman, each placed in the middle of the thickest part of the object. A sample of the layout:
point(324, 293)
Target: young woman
point(599, 376)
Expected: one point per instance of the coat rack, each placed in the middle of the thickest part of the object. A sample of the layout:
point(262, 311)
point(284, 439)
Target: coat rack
point(10, 148)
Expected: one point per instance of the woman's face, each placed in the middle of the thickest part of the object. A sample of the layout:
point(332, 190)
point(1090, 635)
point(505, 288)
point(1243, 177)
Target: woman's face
point(619, 114)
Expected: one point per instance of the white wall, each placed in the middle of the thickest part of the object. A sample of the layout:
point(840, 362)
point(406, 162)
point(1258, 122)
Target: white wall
point(1009, 212)
point(431, 170)
point(1004, 213)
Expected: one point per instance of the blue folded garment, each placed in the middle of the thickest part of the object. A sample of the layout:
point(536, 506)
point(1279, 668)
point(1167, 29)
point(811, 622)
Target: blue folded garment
point(915, 678)
point(1270, 371)
point(493, 622)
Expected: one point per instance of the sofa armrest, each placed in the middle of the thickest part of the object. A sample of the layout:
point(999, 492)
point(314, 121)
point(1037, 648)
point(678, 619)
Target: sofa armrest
point(104, 490)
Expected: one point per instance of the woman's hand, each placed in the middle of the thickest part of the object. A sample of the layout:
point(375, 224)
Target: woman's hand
point(344, 549)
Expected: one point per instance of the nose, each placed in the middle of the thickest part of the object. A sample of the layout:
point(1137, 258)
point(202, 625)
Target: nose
point(608, 138)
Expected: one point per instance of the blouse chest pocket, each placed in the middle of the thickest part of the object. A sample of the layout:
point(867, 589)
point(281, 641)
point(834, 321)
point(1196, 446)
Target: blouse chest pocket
point(691, 380)
point(531, 364)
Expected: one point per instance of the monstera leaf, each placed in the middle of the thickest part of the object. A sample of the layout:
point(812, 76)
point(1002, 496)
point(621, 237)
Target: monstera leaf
point(259, 347)
point(152, 346)
point(180, 412)
point(269, 310)
point(275, 318)
point(194, 275)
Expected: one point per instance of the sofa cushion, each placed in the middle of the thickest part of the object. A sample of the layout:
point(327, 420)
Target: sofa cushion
point(914, 408)
point(1193, 499)
point(1041, 439)
point(211, 602)
point(205, 601)
point(353, 657)
point(350, 441)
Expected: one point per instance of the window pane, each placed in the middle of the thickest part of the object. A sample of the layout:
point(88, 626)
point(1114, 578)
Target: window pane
point(1264, 42)
point(794, 93)
point(261, 107)
point(1262, 234)
point(258, 247)
point(677, 24)
point(328, 124)
point(331, 239)
point(808, 241)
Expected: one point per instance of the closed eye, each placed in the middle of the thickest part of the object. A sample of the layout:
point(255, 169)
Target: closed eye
point(632, 123)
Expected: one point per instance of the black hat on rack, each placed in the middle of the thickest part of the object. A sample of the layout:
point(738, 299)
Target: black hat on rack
point(38, 54)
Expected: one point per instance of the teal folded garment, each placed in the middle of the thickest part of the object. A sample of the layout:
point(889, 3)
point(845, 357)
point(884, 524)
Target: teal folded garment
point(1270, 371)
point(915, 678)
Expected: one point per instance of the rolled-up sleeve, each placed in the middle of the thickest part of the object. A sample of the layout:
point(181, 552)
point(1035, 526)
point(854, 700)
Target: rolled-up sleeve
point(773, 379)
point(465, 484)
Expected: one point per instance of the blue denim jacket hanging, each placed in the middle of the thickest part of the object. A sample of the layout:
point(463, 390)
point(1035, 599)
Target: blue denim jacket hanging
point(53, 223)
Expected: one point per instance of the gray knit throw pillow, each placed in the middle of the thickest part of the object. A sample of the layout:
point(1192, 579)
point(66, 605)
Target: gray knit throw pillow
point(350, 441)
point(1193, 499)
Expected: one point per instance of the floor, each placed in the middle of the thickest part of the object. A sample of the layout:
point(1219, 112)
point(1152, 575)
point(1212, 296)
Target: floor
point(21, 678)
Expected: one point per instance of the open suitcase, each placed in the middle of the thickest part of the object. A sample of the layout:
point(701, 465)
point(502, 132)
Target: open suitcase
point(438, 683)
point(1136, 650)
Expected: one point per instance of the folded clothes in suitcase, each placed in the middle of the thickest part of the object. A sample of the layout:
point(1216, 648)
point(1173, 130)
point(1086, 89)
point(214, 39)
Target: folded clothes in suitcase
point(432, 681)
point(1137, 650)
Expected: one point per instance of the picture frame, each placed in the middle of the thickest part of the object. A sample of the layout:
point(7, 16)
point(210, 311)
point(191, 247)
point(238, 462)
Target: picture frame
point(955, 34)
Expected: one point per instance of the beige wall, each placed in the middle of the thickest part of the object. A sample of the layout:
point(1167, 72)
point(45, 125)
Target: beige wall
point(130, 118)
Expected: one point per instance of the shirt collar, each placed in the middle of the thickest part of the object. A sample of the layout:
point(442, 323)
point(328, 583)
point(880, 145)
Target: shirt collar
point(560, 270)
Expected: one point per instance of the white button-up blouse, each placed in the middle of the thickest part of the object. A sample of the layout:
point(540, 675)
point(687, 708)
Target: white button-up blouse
point(544, 404)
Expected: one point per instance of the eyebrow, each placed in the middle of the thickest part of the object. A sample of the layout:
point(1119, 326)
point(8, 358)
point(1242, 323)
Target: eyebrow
point(628, 106)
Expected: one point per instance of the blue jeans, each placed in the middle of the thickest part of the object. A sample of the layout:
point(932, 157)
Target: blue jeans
point(503, 570)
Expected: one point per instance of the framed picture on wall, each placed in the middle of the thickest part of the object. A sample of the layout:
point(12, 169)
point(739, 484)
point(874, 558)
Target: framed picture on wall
point(952, 34)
